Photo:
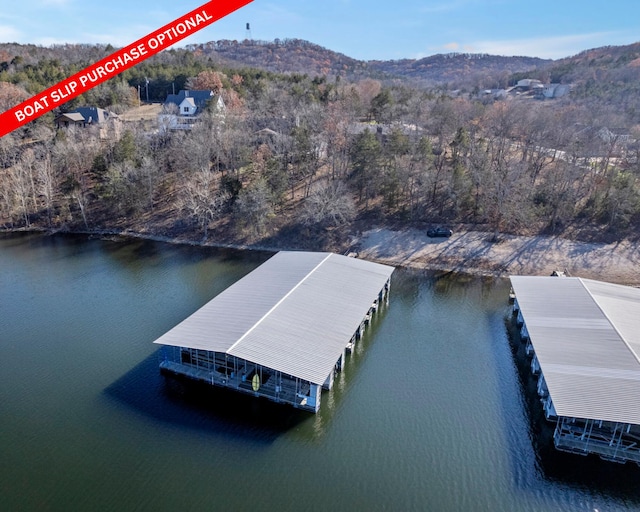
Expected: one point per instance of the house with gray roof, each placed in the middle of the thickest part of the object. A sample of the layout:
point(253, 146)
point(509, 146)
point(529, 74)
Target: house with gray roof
point(95, 115)
point(69, 119)
point(86, 116)
point(197, 99)
point(181, 111)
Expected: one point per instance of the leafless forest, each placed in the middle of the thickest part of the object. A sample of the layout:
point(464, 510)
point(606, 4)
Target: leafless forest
point(308, 159)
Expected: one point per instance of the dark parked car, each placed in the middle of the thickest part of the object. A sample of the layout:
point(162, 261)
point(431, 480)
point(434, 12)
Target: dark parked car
point(439, 232)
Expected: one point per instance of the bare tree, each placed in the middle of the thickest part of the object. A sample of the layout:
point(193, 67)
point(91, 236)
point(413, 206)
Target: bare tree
point(6, 197)
point(20, 184)
point(202, 198)
point(72, 159)
point(505, 194)
point(47, 182)
point(253, 209)
point(329, 204)
point(336, 134)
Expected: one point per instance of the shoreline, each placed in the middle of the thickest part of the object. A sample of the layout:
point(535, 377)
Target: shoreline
point(471, 252)
point(465, 252)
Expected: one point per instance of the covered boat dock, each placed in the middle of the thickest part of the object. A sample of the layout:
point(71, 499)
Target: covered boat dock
point(283, 330)
point(583, 337)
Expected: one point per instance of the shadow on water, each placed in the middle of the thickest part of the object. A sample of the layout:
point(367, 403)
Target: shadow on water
point(35, 240)
point(413, 282)
point(125, 250)
point(11, 239)
point(150, 250)
point(192, 405)
point(588, 474)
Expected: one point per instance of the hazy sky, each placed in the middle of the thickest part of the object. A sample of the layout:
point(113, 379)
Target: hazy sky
point(369, 29)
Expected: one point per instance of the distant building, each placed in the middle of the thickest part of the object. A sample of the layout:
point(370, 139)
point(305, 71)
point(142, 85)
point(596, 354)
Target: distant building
point(95, 115)
point(529, 84)
point(85, 116)
point(617, 136)
point(496, 94)
point(181, 111)
point(195, 100)
point(105, 120)
point(69, 119)
point(555, 90)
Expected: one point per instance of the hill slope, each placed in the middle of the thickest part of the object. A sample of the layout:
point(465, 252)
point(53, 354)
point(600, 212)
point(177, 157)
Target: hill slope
point(457, 67)
point(281, 56)
point(298, 56)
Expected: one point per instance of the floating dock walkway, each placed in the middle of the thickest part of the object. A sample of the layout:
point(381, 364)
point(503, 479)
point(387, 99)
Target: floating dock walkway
point(283, 330)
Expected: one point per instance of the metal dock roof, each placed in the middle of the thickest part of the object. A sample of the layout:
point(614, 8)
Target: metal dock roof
point(586, 335)
point(295, 313)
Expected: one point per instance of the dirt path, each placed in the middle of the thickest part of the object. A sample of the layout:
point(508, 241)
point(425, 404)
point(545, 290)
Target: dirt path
point(472, 252)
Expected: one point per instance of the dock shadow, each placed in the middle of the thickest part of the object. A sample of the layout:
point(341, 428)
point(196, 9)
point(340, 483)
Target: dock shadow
point(193, 405)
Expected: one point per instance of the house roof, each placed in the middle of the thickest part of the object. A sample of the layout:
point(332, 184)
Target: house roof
point(586, 335)
point(267, 131)
point(295, 313)
point(94, 114)
point(199, 97)
point(74, 117)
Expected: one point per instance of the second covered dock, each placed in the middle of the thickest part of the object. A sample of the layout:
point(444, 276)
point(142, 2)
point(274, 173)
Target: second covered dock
point(282, 330)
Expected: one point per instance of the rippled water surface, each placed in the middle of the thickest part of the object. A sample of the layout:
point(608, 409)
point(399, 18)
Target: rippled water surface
point(431, 413)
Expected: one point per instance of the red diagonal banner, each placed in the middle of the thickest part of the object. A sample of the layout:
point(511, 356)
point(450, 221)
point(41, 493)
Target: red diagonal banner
point(116, 63)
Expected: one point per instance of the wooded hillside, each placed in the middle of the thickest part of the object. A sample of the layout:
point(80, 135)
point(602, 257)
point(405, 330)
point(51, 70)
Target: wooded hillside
point(312, 158)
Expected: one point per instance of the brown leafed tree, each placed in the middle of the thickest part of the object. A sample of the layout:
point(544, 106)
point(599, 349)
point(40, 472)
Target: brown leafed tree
point(11, 95)
point(207, 80)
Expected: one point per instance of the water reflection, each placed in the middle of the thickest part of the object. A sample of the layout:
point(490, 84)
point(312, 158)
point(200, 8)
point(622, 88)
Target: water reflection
point(435, 409)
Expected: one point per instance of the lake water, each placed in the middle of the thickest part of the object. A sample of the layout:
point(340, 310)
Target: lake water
point(431, 413)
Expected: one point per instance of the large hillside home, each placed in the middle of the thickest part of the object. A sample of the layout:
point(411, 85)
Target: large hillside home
point(103, 120)
point(181, 111)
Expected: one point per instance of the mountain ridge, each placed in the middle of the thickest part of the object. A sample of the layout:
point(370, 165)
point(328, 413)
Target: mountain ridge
point(301, 56)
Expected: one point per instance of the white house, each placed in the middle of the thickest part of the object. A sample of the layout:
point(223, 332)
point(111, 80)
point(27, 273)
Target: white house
point(188, 107)
point(181, 111)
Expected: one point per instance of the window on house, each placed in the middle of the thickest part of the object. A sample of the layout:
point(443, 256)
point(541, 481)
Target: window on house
point(185, 109)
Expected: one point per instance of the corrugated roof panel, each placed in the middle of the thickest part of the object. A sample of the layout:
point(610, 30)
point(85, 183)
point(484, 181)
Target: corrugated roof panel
point(328, 308)
point(295, 313)
point(582, 331)
point(217, 325)
point(621, 304)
